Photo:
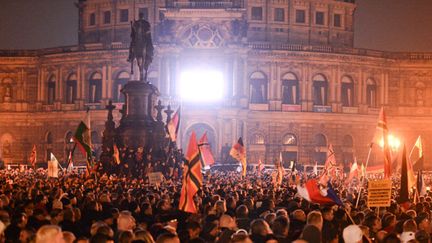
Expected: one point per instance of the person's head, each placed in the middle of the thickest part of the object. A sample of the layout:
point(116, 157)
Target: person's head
point(352, 234)
point(144, 235)
point(125, 237)
point(423, 222)
point(299, 215)
point(242, 211)
point(315, 218)
point(101, 238)
point(194, 229)
point(409, 226)
point(373, 223)
point(125, 221)
point(311, 233)
point(389, 221)
point(69, 237)
point(227, 221)
point(167, 238)
point(25, 234)
point(260, 227)
point(280, 226)
point(327, 213)
point(49, 233)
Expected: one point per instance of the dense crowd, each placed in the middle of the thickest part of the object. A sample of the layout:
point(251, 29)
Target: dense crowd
point(75, 208)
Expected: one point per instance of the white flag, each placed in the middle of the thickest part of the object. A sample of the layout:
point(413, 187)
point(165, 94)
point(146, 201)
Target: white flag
point(53, 166)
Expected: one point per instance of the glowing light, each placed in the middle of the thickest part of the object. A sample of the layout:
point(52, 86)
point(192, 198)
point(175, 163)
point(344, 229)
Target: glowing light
point(201, 86)
point(393, 142)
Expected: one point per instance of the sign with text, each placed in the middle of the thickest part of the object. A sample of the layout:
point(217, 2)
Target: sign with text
point(379, 193)
point(155, 178)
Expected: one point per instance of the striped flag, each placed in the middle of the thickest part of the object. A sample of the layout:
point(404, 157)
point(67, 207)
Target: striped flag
point(205, 151)
point(418, 164)
point(238, 152)
point(421, 188)
point(280, 170)
point(33, 156)
point(192, 177)
point(353, 171)
point(173, 126)
point(70, 159)
point(382, 126)
point(404, 199)
point(330, 163)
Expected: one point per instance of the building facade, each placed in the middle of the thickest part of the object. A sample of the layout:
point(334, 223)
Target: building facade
point(293, 81)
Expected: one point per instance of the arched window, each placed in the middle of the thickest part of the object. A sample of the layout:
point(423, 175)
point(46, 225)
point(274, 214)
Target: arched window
point(7, 90)
point(290, 89)
point(51, 90)
point(258, 88)
point(320, 89)
point(257, 138)
point(320, 143)
point(289, 139)
point(347, 92)
point(120, 81)
point(71, 89)
point(95, 88)
point(371, 93)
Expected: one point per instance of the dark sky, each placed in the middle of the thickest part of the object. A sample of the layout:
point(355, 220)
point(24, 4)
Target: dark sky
point(394, 25)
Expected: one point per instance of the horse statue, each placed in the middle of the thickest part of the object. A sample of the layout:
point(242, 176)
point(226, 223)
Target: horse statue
point(141, 46)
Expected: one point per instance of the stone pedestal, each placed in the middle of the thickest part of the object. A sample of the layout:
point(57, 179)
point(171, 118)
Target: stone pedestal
point(138, 122)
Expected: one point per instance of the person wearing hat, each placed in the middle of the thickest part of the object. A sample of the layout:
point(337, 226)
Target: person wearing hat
point(423, 222)
point(352, 234)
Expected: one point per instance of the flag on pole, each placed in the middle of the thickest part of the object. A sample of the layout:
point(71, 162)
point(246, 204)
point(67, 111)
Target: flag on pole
point(116, 154)
point(280, 170)
point(353, 171)
point(404, 199)
point(192, 177)
point(70, 159)
point(312, 191)
point(421, 188)
point(53, 166)
point(83, 140)
point(259, 167)
point(418, 164)
point(205, 151)
point(174, 125)
point(382, 126)
point(330, 163)
point(315, 168)
point(238, 152)
point(33, 156)
point(363, 170)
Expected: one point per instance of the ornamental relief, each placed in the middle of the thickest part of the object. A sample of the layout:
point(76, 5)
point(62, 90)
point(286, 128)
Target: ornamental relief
point(203, 36)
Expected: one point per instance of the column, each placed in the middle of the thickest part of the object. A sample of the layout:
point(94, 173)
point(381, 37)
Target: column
point(59, 85)
point(104, 82)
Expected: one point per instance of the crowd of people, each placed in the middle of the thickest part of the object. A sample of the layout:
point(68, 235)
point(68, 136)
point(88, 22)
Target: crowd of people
point(76, 208)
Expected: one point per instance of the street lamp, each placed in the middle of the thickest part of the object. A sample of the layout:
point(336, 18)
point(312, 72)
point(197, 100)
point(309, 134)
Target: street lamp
point(393, 142)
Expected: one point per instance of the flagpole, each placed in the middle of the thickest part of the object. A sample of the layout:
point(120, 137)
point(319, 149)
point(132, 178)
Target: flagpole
point(412, 149)
point(362, 179)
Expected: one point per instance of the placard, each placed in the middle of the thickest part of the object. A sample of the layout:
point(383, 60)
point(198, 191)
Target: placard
point(155, 178)
point(379, 193)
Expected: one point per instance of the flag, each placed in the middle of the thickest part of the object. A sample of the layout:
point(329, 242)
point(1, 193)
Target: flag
point(421, 188)
point(70, 159)
point(192, 177)
point(259, 167)
point(33, 156)
point(404, 189)
point(312, 191)
point(83, 140)
point(418, 164)
point(205, 151)
point(280, 170)
point(173, 126)
point(238, 152)
point(353, 171)
point(363, 170)
point(330, 163)
point(382, 126)
point(53, 166)
point(116, 154)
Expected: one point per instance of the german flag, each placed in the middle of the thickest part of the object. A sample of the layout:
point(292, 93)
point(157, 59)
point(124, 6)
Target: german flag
point(204, 147)
point(173, 126)
point(192, 177)
point(382, 126)
point(33, 156)
point(238, 152)
point(404, 199)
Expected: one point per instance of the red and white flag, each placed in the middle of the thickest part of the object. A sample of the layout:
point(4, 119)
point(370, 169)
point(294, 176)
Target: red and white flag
point(205, 151)
point(382, 128)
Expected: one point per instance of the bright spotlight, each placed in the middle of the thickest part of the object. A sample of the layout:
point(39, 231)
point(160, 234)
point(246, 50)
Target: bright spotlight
point(393, 142)
point(201, 86)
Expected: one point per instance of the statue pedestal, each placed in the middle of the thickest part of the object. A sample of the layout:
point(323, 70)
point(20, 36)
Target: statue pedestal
point(138, 123)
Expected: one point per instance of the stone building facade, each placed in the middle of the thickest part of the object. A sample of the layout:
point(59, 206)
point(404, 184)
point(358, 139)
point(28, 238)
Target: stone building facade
point(294, 83)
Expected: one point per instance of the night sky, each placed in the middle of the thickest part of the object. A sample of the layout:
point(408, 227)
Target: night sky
point(394, 25)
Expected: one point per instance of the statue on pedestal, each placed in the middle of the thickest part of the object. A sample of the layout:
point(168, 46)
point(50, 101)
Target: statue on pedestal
point(141, 46)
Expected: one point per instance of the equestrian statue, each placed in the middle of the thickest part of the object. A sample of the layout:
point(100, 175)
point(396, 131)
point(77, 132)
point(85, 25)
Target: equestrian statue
point(141, 46)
